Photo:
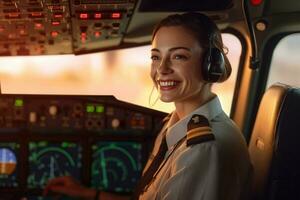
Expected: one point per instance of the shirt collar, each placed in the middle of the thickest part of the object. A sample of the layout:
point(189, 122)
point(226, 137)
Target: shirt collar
point(176, 129)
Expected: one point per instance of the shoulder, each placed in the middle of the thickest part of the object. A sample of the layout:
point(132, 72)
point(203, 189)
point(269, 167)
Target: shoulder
point(199, 130)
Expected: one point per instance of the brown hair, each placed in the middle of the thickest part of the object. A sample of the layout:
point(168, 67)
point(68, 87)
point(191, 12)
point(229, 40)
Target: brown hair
point(204, 30)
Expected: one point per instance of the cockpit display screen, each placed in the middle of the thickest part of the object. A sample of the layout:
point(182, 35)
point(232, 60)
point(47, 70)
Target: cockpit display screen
point(53, 159)
point(116, 166)
point(9, 164)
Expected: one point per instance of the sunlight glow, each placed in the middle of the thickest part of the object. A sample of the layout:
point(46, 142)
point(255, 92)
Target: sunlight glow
point(122, 73)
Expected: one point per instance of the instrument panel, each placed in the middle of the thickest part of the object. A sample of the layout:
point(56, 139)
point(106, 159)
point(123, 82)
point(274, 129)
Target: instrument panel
point(46, 27)
point(100, 141)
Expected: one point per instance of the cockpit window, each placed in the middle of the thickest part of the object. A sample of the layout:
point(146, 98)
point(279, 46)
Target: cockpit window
point(122, 73)
point(285, 62)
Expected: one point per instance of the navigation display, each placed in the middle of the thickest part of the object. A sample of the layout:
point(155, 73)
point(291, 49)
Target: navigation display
point(53, 159)
point(8, 164)
point(116, 166)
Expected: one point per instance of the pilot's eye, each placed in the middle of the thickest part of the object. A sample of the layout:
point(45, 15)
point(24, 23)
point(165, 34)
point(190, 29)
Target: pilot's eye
point(179, 57)
point(153, 57)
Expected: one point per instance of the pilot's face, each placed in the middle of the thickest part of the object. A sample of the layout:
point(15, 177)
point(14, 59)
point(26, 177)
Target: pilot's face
point(176, 64)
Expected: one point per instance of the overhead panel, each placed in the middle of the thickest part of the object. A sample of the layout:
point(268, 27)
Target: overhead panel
point(45, 27)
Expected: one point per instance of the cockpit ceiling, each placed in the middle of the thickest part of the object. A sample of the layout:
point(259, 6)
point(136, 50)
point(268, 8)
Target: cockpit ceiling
point(184, 5)
point(47, 27)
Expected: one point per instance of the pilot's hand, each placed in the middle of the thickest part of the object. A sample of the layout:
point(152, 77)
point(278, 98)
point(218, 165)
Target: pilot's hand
point(67, 185)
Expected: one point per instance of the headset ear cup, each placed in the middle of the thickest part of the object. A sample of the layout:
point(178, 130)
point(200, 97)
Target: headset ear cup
point(205, 66)
point(213, 68)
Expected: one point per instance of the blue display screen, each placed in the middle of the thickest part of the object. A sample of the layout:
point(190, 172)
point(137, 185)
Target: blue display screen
point(9, 164)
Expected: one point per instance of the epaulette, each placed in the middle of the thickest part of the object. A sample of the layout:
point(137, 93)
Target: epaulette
point(198, 130)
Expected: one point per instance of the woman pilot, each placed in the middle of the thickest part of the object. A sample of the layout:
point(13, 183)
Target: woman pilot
point(199, 153)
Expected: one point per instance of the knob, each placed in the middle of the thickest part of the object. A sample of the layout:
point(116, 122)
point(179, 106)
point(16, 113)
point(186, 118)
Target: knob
point(115, 123)
point(53, 110)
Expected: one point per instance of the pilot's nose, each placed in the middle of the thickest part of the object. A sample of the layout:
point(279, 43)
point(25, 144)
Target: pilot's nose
point(164, 67)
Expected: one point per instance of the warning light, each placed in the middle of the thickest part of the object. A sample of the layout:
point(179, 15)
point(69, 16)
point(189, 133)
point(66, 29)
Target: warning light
point(97, 15)
point(36, 14)
point(14, 15)
point(55, 23)
point(22, 32)
point(57, 15)
point(97, 34)
point(54, 33)
point(116, 15)
point(19, 102)
point(83, 16)
point(2, 28)
point(90, 109)
point(99, 109)
point(256, 2)
point(83, 37)
point(38, 25)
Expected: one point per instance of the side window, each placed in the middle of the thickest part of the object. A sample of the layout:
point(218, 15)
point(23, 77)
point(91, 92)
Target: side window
point(285, 62)
point(122, 73)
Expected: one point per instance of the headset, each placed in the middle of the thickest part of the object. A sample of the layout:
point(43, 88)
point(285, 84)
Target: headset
point(213, 66)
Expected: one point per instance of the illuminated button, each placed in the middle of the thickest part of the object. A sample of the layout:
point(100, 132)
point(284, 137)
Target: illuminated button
point(90, 109)
point(23, 32)
point(55, 23)
point(97, 15)
point(256, 2)
point(83, 16)
point(57, 8)
point(115, 123)
point(99, 109)
point(2, 28)
point(116, 15)
point(53, 110)
point(19, 102)
point(32, 117)
point(83, 37)
point(36, 15)
point(38, 25)
point(54, 33)
point(58, 15)
point(97, 34)
point(13, 15)
point(11, 36)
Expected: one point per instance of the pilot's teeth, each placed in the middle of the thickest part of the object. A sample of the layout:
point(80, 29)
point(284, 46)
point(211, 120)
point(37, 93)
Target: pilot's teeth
point(167, 83)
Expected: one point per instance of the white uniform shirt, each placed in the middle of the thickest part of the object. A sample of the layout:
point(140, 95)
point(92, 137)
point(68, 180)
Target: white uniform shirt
point(219, 169)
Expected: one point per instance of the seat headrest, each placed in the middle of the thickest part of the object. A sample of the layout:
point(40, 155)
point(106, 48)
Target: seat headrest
point(262, 140)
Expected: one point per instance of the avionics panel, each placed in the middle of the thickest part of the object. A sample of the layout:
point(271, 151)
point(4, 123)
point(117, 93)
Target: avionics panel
point(116, 166)
point(9, 153)
point(48, 160)
point(100, 141)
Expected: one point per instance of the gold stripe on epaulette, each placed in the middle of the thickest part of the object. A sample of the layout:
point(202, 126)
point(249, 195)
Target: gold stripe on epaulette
point(196, 132)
